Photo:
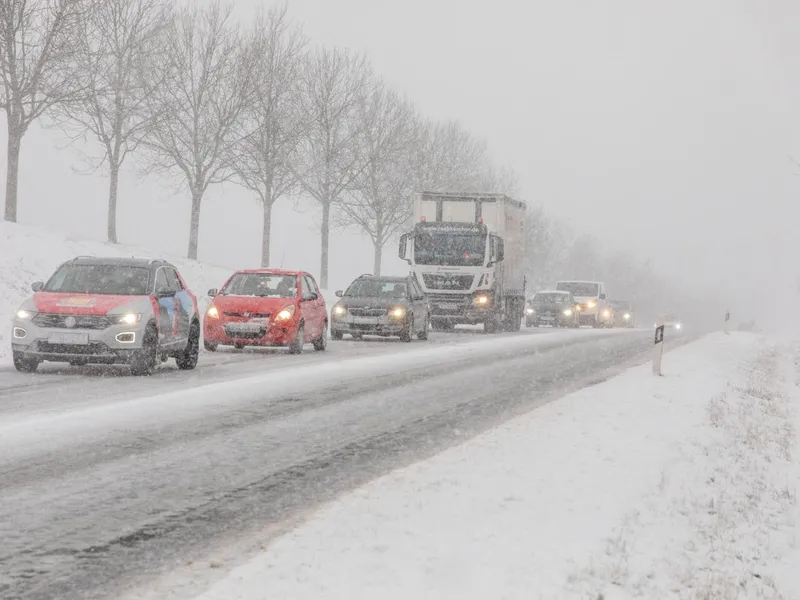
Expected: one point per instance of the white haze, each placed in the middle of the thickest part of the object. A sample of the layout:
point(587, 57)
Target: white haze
point(665, 128)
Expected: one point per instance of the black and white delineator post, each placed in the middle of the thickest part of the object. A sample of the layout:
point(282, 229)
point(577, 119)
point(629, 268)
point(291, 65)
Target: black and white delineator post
point(727, 322)
point(658, 345)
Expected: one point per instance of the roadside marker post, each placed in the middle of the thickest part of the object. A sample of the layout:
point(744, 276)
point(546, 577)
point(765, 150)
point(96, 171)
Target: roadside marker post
point(658, 345)
point(727, 322)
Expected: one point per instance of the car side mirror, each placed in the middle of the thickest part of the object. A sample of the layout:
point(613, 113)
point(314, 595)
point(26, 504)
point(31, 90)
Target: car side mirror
point(37, 286)
point(339, 293)
point(213, 292)
point(309, 297)
point(165, 293)
point(602, 296)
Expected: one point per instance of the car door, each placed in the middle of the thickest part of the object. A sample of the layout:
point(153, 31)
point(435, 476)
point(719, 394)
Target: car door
point(419, 304)
point(183, 304)
point(321, 309)
point(166, 308)
point(308, 309)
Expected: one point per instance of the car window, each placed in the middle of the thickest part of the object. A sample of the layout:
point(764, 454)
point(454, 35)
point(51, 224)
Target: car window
point(172, 279)
point(306, 287)
point(313, 285)
point(264, 285)
point(99, 279)
point(161, 280)
point(373, 288)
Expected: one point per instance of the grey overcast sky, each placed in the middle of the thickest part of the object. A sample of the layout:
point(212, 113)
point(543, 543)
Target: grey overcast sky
point(663, 127)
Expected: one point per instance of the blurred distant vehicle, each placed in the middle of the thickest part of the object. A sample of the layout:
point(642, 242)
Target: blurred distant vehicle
point(591, 297)
point(671, 321)
point(623, 314)
point(551, 307)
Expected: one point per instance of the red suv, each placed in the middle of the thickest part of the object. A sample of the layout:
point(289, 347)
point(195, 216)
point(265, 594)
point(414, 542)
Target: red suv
point(267, 307)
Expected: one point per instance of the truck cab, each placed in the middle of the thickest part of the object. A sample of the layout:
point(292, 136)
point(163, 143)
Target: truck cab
point(592, 301)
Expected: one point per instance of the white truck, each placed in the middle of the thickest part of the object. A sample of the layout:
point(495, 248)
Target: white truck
point(467, 251)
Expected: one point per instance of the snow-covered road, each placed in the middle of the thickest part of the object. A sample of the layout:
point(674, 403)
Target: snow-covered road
point(107, 482)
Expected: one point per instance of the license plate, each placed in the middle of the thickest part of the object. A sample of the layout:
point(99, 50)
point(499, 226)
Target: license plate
point(547, 318)
point(244, 327)
point(365, 320)
point(449, 305)
point(70, 338)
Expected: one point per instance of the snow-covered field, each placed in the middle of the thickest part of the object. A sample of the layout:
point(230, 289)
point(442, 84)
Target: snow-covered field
point(674, 487)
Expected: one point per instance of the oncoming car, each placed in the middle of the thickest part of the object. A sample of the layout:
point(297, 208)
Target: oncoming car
point(623, 313)
point(267, 307)
point(108, 311)
point(552, 307)
point(381, 305)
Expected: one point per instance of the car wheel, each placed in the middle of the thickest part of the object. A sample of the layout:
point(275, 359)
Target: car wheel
point(210, 346)
point(187, 360)
point(408, 332)
point(322, 341)
point(336, 335)
point(296, 346)
point(423, 335)
point(239, 345)
point(25, 365)
point(145, 359)
point(357, 336)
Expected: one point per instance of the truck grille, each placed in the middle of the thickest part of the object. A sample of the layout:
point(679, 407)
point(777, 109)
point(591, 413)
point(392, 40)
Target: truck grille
point(447, 282)
point(57, 321)
point(367, 312)
point(458, 302)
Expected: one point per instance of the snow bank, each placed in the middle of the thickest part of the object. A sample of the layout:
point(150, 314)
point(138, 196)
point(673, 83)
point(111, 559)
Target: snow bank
point(31, 253)
point(680, 486)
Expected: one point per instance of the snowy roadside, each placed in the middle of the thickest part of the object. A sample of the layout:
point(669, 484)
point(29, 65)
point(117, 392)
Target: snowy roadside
point(673, 487)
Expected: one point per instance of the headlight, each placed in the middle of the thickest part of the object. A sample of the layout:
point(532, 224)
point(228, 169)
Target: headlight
point(606, 313)
point(25, 315)
point(567, 312)
point(529, 311)
point(285, 314)
point(126, 319)
point(482, 300)
point(398, 313)
point(591, 304)
point(212, 312)
point(339, 310)
point(677, 325)
point(626, 316)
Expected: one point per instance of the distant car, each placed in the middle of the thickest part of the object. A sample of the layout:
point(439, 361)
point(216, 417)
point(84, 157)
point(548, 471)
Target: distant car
point(381, 305)
point(552, 307)
point(108, 311)
point(267, 307)
point(673, 322)
point(623, 313)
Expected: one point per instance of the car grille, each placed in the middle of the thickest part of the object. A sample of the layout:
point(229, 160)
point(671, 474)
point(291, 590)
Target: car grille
point(57, 321)
point(367, 312)
point(246, 315)
point(448, 282)
point(94, 348)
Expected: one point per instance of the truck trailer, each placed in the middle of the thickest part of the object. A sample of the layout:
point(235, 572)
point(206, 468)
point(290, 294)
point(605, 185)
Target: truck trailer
point(467, 251)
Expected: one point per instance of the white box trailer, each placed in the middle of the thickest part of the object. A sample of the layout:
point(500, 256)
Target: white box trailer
point(467, 251)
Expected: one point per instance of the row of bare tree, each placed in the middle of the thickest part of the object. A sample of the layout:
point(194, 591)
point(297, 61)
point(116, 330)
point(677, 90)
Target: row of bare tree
point(202, 100)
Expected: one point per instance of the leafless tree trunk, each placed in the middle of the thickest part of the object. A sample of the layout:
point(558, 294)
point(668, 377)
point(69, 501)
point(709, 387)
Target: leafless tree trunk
point(379, 200)
point(35, 43)
point(119, 43)
point(271, 125)
point(328, 158)
point(197, 110)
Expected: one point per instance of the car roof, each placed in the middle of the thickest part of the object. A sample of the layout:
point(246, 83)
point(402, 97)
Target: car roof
point(553, 292)
point(119, 261)
point(270, 272)
point(389, 278)
point(579, 281)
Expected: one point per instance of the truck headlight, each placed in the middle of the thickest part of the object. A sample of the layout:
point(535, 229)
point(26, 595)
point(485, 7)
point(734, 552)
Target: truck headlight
point(398, 312)
point(626, 316)
point(606, 313)
point(591, 304)
point(482, 300)
point(125, 319)
point(529, 311)
point(567, 312)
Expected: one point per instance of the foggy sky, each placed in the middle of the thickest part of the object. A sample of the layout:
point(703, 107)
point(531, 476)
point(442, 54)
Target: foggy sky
point(664, 127)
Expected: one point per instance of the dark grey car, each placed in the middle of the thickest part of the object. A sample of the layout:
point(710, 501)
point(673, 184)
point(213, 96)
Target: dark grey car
point(381, 305)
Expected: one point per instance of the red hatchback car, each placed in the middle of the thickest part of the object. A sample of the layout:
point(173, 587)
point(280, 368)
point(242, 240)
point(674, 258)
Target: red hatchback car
point(267, 307)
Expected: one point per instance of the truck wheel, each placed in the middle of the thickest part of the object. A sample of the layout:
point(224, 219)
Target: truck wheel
point(490, 326)
point(423, 334)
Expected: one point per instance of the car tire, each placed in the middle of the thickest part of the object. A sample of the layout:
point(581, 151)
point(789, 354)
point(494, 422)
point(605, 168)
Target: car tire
point(210, 346)
point(239, 345)
point(321, 343)
point(423, 335)
point(25, 365)
point(187, 360)
point(145, 359)
point(357, 336)
point(408, 332)
point(296, 346)
point(336, 335)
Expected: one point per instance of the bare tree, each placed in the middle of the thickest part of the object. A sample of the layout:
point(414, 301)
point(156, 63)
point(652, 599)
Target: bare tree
point(196, 112)
point(271, 127)
point(35, 44)
point(503, 180)
point(328, 154)
point(379, 199)
point(117, 48)
point(449, 158)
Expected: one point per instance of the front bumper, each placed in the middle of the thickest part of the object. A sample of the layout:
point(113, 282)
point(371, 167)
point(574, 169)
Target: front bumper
point(231, 332)
point(85, 345)
point(385, 325)
point(549, 319)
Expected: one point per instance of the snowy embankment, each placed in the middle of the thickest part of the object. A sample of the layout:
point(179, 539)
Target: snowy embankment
point(30, 254)
point(673, 487)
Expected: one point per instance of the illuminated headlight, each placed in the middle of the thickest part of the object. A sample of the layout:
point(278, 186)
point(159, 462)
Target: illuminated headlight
point(626, 316)
point(285, 314)
point(529, 311)
point(591, 304)
point(606, 313)
point(482, 300)
point(126, 319)
point(25, 315)
point(339, 310)
point(212, 312)
point(567, 312)
point(398, 313)
point(677, 325)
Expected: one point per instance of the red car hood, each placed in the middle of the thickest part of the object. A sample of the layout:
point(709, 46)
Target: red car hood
point(251, 304)
point(78, 304)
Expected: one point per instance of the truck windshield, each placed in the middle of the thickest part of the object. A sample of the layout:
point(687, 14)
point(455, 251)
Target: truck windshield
point(579, 288)
point(462, 250)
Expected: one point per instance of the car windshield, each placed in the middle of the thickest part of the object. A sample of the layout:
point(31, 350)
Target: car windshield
point(113, 280)
point(372, 288)
point(579, 288)
point(550, 299)
point(458, 249)
point(621, 304)
point(262, 285)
